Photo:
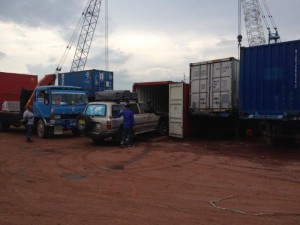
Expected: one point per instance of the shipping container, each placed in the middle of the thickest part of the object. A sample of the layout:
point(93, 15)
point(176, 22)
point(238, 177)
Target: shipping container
point(270, 90)
point(157, 93)
point(214, 87)
point(270, 82)
point(12, 83)
point(91, 81)
point(168, 97)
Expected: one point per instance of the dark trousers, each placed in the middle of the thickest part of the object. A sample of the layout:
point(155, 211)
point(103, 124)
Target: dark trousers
point(29, 131)
point(127, 136)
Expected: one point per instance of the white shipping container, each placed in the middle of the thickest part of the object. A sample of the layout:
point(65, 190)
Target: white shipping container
point(11, 106)
point(214, 86)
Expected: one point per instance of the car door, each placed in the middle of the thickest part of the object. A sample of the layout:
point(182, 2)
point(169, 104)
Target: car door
point(138, 118)
point(150, 120)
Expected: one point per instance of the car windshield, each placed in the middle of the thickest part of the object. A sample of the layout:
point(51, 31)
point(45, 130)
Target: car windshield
point(69, 98)
point(96, 110)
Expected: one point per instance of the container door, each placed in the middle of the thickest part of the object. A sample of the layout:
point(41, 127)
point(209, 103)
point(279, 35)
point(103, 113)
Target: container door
point(176, 100)
point(200, 87)
point(221, 86)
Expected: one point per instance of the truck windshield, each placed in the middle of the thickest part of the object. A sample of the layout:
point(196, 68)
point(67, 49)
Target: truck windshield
point(69, 98)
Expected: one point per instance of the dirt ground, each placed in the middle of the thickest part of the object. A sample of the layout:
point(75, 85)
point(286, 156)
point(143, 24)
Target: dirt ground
point(71, 181)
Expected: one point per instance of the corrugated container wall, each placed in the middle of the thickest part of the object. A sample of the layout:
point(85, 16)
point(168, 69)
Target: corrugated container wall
point(269, 80)
point(11, 85)
point(214, 86)
point(91, 81)
point(157, 93)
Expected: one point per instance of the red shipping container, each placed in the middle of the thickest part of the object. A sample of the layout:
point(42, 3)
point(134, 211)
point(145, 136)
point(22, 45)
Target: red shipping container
point(11, 85)
point(157, 93)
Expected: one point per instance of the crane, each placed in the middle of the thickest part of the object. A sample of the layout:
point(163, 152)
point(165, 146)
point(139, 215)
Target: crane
point(87, 22)
point(254, 15)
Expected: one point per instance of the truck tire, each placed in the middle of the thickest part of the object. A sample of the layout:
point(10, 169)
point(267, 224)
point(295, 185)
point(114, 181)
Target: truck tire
point(76, 132)
point(4, 126)
point(41, 129)
point(163, 129)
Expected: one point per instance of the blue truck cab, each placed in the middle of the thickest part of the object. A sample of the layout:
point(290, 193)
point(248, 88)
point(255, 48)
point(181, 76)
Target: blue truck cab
point(56, 109)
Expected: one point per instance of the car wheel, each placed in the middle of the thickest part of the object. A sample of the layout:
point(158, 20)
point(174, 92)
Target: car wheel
point(98, 140)
point(118, 136)
point(163, 128)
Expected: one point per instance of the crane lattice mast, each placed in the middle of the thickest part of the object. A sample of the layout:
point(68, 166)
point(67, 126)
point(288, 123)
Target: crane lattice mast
point(91, 16)
point(254, 14)
point(253, 22)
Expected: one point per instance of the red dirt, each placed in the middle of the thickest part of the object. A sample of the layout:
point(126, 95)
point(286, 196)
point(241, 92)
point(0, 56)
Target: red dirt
point(70, 181)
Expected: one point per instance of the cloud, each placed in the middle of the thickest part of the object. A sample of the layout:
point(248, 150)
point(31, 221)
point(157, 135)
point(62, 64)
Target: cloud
point(122, 80)
point(148, 40)
point(39, 69)
point(35, 13)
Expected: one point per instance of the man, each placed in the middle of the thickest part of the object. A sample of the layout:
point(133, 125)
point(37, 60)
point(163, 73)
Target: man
point(28, 116)
point(128, 126)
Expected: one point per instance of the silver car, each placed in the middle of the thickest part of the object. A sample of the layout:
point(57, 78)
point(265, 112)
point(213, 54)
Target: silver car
point(97, 122)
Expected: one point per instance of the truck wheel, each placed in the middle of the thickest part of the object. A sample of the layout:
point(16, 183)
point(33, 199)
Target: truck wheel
point(4, 126)
point(41, 129)
point(163, 128)
point(76, 132)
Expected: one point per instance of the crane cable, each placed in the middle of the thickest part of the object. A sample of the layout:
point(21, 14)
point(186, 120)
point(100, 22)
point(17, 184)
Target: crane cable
point(106, 36)
point(275, 36)
point(263, 16)
point(269, 14)
point(71, 42)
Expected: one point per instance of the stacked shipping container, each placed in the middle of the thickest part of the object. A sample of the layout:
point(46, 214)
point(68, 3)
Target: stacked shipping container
point(91, 81)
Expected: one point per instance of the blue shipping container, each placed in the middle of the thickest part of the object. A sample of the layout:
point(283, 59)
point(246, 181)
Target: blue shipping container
point(270, 82)
point(90, 80)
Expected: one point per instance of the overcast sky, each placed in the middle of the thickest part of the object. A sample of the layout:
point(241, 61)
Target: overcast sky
point(149, 40)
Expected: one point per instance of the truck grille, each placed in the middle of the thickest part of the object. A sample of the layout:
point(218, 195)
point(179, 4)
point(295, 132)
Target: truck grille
point(69, 116)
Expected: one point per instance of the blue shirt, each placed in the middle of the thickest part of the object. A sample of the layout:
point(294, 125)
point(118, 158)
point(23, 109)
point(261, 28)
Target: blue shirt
point(128, 118)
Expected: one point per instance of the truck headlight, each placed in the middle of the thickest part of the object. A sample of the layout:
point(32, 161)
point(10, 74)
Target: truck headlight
point(57, 117)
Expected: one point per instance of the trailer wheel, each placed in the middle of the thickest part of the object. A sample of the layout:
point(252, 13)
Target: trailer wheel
point(41, 129)
point(163, 128)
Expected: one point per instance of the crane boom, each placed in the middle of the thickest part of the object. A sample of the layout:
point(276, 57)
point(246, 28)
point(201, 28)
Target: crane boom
point(254, 14)
point(91, 16)
point(253, 22)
